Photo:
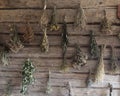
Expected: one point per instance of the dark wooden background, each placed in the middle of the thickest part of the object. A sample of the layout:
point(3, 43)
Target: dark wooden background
point(15, 11)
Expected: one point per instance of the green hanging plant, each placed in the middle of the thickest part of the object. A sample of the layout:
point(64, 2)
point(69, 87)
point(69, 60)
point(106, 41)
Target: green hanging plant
point(27, 75)
point(28, 36)
point(79, 59)
point(53, 23)
point(4, 56)
point(94, 49)
point(45, 43)
point(113, 64)
point(64, 44)
point(14, 43)
point(49, 88)
point(106, 25)
point(80, 19)
point(100, 71)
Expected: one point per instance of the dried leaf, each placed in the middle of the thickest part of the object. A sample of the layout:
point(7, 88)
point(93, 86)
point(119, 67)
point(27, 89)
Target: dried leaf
point(100, 72)
point(14, 43)
point(80, 19)
point(53, 23)
point(29, 34)
point(106, 25)
point(80, 58)
point(94, 49)
point(27, 75)
point(45, 42)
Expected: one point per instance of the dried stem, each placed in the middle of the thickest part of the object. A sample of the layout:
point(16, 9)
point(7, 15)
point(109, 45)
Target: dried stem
point(111, 89)
point(89, 80)
point(70, 89)
point(100, 72)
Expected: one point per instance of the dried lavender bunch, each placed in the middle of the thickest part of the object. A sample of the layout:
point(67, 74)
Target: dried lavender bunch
point(113, 66)
point(80, 58)
point(64, 44)
point(106, 25)
point(49, 88)
point(53, 23)
point(89, 80)
point(45, 43)
point(29, 34)
point(80, 19)
point(44, 17)
point(15, 44)
point(94, 49)
point(4, 56)
point(27, 75)
point(100, 72)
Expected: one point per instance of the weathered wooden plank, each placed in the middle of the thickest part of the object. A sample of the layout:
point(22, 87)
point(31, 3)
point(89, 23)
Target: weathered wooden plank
point(60, 4)
point(19, 15)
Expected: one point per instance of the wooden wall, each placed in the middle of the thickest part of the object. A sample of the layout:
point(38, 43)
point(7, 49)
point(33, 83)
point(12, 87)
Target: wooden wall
point(17, 10)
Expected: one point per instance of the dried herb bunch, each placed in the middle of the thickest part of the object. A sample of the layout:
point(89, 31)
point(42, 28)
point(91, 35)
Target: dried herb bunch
point(70, 89)
point(64, 44)
point(113, 66)
point(49, 88)
point(29, 34)
point(44, 17)
point(27, 75)
point(80, 19)
point(53, 23)
point(94, 49)
point(89, 80)
point(4, 55)
point(111, 89)
point(80, 58)
point(14, 44)
point(106, 25)
point(8, 90)
point(45, 43)
point(100, 72)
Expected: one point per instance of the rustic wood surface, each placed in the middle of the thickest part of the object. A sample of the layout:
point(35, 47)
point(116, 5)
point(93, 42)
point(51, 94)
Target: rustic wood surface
point(16, 11)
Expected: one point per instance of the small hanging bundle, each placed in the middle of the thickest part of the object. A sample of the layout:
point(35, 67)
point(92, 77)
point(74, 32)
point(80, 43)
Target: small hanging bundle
point(113, 64)
point(44, 18)
point(100, 72)
point(29, 34)
point(4, 56)
point(14, 44)
point(79, 59)
point(89, 80)
point(106, 25)
point(80, 19)
point(45, 43)
point(64, 44)
point(53, 23)
point(70, 89)
point(49, 88)
point(94, 49)
point(27, 75)
point(111, 89)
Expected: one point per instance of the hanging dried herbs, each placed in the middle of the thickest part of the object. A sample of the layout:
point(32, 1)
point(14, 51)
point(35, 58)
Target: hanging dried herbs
point(53, 23)
point(106, 25)
point(79, 59)
point(80, 19)
point(100, 72)
point(111, 89)
point(49, 88)
point(29, 34)
point(113, 64)
point(15, 44)
point(70, 89)
point(65, 42)
point(94, 49)
point(27, 75)
point(44, 17)
point(4, 56)
point(8, 90)
point(89, 80)
point(45, 43)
